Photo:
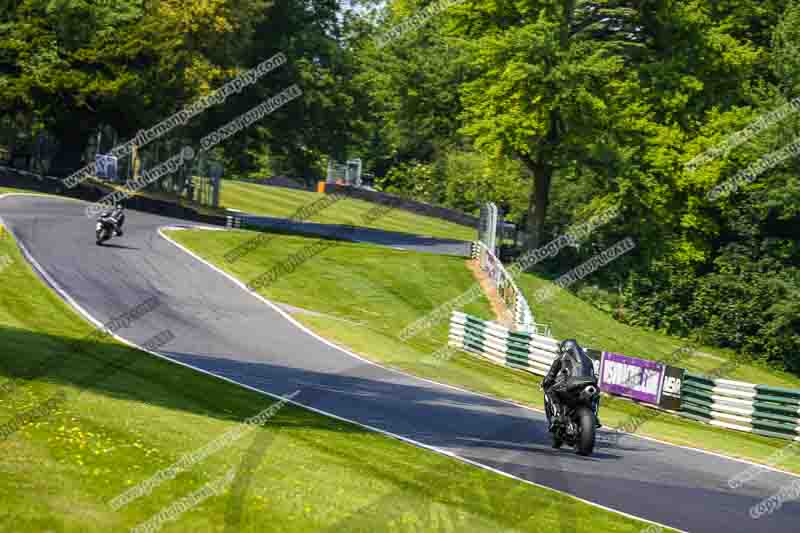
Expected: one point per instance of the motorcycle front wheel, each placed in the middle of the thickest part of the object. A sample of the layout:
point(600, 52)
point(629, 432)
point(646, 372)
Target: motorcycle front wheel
point(586, 426)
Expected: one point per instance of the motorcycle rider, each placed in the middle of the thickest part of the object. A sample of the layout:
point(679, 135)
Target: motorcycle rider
point(117, 215)
point(571, 365)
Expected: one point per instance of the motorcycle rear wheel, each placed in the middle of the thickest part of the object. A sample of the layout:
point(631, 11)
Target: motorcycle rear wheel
point(548, 409)
point(586, 424)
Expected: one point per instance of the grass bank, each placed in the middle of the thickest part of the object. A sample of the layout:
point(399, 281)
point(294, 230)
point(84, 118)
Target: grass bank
point(122, 415)
point(282, 202)
point(369, 294)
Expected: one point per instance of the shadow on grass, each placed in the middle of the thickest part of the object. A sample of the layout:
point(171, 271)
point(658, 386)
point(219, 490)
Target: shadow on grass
point(32, 360)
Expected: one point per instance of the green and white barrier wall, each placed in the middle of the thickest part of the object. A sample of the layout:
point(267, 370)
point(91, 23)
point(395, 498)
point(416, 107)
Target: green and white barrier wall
point(735, 405)
point(769, 411)
point(526, 351)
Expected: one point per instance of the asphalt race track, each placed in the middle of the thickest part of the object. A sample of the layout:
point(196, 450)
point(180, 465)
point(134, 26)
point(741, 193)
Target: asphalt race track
point(391, 239)
point(221, 328)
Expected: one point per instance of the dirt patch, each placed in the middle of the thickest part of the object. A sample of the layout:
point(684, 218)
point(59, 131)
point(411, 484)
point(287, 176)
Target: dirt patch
point(503, 315)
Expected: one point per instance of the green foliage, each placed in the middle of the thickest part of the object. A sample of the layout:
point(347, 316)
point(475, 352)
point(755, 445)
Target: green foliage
point(419, 179)
point(554, 110)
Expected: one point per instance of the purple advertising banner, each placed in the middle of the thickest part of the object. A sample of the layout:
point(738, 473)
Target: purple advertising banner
point(631, 377)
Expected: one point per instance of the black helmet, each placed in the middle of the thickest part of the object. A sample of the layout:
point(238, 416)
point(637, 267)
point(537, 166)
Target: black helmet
point(568, 345)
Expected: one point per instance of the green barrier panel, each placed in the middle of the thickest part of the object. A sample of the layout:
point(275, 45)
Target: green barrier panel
point(774, 429)
point(518, 360)
point(779, 391)
point(518, 344)
point(776, 408)
point(698, 386)
point(698, 400)
point(518, 352)
point(698, 379)
point(777, 399)
point(689, 389)
point(774, 426)
point(778, 418)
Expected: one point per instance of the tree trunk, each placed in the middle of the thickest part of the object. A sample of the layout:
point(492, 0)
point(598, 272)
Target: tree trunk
point(542, 174)
point(72, 140)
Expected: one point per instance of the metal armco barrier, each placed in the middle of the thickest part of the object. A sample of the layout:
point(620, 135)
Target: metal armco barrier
point(234, 222)
point(505, 286)
point(760, 409)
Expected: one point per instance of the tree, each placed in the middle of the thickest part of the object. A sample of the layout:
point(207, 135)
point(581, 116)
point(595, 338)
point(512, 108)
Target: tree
point(546, 75)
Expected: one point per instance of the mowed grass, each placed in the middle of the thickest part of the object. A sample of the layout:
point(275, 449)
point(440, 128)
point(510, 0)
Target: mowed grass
point(127, 414)
point(369, 294)
point(282, 202)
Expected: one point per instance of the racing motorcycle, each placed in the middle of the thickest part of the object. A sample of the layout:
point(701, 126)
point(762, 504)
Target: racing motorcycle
point(106, 226)
point(577, 426)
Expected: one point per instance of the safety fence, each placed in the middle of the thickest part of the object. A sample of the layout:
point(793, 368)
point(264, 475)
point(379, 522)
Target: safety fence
point(505, 286)
point(534, 351)
point(760, 409)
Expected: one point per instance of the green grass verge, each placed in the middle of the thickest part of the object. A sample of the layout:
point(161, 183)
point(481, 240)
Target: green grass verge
point(4, 190)
point(111, 433)
point(282, 202)
point(383, 290)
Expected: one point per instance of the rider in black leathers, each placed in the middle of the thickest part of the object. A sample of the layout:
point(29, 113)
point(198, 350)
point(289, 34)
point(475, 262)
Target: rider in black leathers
point(118, 216)
point(571, 365)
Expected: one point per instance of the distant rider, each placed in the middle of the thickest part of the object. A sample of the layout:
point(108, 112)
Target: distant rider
point(571, 365)
point(117, 215)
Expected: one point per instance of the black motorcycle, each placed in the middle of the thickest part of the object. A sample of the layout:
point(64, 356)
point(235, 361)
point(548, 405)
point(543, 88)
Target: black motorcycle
point(105, 229)
point(578, 425)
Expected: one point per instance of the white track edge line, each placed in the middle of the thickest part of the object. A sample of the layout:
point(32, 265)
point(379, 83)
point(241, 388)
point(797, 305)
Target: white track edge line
point(407, 440)
point(509, 402)
point(325, 341)
point(400, 437)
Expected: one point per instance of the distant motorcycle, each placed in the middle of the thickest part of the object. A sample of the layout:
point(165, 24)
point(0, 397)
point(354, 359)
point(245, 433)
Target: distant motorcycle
point(580, 420)
point(106, 226)
point(109, 224)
